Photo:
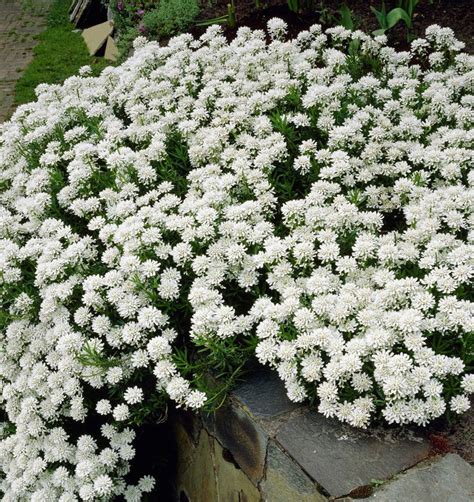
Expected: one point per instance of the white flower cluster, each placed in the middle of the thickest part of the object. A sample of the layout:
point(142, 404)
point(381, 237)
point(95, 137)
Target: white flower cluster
point(314, 194)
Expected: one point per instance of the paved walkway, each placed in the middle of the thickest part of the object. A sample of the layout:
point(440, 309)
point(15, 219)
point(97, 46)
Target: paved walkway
point(20, 22)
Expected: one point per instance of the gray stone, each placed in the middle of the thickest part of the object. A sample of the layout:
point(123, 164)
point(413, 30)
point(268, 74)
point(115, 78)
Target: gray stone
point(448, 479)
point(285, 481)
point(342, 459)
point(239, 434)
point(263, 394)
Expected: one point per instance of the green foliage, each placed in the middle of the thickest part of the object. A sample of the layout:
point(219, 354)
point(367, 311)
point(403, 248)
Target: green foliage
point(214, 20)
point(125, 41)
point(231, 14)
point(170, 17)
point(128, 13)
point(59, 54)
point(294, 5)
point(387, 20)
point(92, 357)
point(216, 365)
point(345, 18)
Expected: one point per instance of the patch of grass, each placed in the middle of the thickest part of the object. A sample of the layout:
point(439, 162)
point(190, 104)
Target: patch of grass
point(59, 54)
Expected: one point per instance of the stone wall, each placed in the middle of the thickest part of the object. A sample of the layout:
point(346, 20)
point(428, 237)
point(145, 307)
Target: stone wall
point(262, 447)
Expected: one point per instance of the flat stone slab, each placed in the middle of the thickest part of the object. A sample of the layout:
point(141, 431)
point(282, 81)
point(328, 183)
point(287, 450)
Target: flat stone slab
point(449, 479)
point(285, 481)
point(342, 459)
point(264, 395)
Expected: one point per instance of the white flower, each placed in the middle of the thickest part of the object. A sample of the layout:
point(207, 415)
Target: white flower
point(133, 395)
point(103, 407)
point(460, 404)
point(103, 485)
point(121, 412)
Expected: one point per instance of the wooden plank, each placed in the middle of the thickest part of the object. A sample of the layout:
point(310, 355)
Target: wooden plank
point(96, 36)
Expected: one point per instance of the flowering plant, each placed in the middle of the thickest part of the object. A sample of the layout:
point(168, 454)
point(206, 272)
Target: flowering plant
point(310, 199)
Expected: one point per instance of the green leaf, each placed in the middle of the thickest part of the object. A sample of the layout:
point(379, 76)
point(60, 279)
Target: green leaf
point(377, 33)
point(214, 20)
point(396, 15)
point(346, 17)
point(381, 18)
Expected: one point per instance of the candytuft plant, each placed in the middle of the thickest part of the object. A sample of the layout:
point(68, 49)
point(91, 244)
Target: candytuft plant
point(210, 204)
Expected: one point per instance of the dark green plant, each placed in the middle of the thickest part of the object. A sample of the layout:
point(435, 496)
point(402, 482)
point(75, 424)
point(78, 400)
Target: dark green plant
point(409, 7)
point(325, 15)
point(387, 20)
point(171, 17)
point(345, 18)
point(231, 14)
point(294, 5)
point(125, 41)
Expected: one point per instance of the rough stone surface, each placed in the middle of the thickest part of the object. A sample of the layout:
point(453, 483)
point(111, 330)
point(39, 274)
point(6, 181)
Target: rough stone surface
point(232, 484)
point(238, 433)
point(19, 24)
point(263, 394)
point(447, 479)
point(196, 480)
point(341, 459)
point(285, 481)
point(206, 472)
point(260, 447)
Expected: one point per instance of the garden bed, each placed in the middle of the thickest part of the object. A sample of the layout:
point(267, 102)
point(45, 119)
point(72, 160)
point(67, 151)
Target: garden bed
point(455, 14)
point(137, 17)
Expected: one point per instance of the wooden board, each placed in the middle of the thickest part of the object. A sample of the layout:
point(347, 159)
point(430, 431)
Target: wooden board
point(96, 36)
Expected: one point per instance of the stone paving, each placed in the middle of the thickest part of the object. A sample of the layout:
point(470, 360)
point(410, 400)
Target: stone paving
point(20, 22)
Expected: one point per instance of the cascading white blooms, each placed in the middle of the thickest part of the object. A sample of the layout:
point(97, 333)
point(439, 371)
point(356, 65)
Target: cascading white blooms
point(359, 269)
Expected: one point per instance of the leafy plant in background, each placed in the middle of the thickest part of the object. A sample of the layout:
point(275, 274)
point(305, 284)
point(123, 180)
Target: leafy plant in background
point(128, 13)
point(294, 5)
point(306, 6)
point(326, 17)
point(125, 40)
point(170, 17)
point(387, 20)
point(345, 18)
point(231, 14)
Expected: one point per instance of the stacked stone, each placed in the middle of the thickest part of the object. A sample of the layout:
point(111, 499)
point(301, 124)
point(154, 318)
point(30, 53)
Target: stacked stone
point(262, 447)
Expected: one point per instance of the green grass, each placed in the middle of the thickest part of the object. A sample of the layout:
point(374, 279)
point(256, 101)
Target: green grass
point(59, 54)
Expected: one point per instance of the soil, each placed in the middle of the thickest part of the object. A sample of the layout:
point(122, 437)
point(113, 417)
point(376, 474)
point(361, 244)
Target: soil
point(456, 14)
point(456, 436)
